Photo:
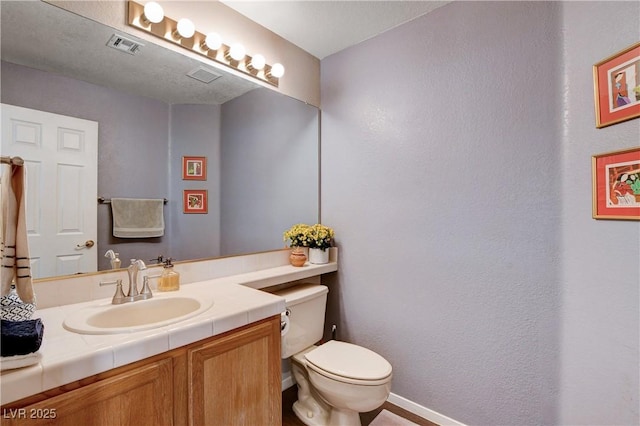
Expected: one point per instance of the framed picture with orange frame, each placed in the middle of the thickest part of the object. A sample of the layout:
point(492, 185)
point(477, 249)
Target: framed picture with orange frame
point(616, 82)
point(616, 185)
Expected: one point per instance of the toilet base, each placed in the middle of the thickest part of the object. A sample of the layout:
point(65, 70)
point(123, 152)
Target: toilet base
point(344, 417)
point(336, 417)
point(309, 408)
point(310, 417)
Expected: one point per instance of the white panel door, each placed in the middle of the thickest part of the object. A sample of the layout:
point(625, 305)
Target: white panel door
point(61, 155)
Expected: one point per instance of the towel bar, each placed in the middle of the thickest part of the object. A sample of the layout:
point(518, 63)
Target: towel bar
point(102, 200)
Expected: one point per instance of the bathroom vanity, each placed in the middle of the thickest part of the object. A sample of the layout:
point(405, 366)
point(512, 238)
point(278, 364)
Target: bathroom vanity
point(233, 378)
point(222, 366)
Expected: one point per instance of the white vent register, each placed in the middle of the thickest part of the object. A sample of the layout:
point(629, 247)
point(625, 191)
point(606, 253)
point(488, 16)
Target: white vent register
point(204, 75)
point(124, 44)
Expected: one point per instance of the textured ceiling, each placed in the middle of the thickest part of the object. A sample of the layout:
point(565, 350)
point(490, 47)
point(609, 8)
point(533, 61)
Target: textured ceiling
point(38, 35)
point(326, 27)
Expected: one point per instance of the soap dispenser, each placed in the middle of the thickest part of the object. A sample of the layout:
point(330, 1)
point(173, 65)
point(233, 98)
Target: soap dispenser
point(113, 259)
point(170, 279)
point(116, 262)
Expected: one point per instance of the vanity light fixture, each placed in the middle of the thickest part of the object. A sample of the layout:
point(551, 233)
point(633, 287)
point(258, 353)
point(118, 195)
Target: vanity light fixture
point(150, 18)
point(212, 41)
point(277, 70)
point(236, 52)
point(256, 63)
point(184, 29)
point(152, 14)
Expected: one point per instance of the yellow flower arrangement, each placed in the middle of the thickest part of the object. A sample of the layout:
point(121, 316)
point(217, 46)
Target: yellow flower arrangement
point(316, 236)
point(320, 236)
point(298, 235)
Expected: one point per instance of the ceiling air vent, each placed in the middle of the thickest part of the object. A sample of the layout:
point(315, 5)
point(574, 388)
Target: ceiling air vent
point(124, 44)
point(203, 74)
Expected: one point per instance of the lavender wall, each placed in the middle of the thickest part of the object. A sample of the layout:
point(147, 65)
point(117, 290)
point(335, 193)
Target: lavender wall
point(132, 149)
point(458, 177)
point(441, 173)
point(195, 131)
point(601, 259)
point(270, 169)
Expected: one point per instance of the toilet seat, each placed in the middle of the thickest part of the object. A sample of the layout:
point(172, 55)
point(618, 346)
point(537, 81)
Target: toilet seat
point(349, 363)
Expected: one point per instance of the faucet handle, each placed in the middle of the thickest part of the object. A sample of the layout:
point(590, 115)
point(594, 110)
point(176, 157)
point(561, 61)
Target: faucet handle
point(118, 297)
point(103, 283)
point(146, 293)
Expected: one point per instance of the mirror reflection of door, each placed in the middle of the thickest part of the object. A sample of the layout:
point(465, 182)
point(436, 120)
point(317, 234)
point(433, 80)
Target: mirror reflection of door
point(60, 154)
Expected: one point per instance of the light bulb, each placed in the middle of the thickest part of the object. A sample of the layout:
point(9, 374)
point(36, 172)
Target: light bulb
point(237, 52)
point(186, 28)
point(153, 12)
point(257, 62)
point(277, 70)
point(213, 41)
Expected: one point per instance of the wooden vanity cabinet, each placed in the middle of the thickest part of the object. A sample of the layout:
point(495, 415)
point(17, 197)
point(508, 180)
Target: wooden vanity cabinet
point(236, 379)
point(138, 396)
point(230, 379)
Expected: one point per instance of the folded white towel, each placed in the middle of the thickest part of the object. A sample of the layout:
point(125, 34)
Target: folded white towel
point(19, 361)
point(137, 217)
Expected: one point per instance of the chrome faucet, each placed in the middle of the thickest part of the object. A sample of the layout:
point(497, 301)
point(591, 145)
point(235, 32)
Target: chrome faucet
point(132, 270)
point(133, 294)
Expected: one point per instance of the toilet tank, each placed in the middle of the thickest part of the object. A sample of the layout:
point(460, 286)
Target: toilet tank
point(306, 304)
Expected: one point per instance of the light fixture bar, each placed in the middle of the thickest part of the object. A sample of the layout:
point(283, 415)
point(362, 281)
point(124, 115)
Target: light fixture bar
point(166, 29)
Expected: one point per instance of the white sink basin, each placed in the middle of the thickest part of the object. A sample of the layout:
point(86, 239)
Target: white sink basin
point(135, 316)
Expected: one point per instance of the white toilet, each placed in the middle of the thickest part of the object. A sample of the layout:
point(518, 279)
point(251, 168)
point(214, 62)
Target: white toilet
point(336, 380)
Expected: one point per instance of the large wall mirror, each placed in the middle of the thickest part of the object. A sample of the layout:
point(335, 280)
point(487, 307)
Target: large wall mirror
point(261, 147)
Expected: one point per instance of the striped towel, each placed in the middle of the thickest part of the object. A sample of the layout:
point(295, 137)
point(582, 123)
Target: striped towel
point(14, 244)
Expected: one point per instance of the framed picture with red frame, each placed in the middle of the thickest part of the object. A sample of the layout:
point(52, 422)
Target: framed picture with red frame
point(194, 168)
point(616, 185)
point(195, 201)
point(616, 83)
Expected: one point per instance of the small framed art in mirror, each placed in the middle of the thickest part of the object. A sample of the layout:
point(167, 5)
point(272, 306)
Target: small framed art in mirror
point(195, 201)
point(194, 168)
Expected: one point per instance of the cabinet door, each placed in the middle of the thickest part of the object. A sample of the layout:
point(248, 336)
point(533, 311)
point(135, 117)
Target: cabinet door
point(137, 397)
point(235, 380)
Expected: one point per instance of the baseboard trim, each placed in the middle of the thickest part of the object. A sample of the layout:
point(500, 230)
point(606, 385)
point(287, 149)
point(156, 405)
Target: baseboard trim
point(287, 380)
point(423, 412)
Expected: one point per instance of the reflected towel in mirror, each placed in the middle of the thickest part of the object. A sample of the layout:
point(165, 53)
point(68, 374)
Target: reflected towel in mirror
point(137, 217)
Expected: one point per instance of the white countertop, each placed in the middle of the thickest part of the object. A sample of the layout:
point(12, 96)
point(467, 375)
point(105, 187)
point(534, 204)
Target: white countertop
point(69, 356)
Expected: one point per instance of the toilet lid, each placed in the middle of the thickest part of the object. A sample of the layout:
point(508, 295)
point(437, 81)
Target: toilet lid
point(349, 361)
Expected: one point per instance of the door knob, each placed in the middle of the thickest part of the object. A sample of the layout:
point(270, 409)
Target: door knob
point(87, 244)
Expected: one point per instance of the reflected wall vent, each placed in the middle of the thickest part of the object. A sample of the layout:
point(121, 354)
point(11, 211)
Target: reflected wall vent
point(203, 74)
point(124, 44)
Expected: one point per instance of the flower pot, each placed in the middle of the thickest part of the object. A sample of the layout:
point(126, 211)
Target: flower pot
point(297, 257)
point(318, 256)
